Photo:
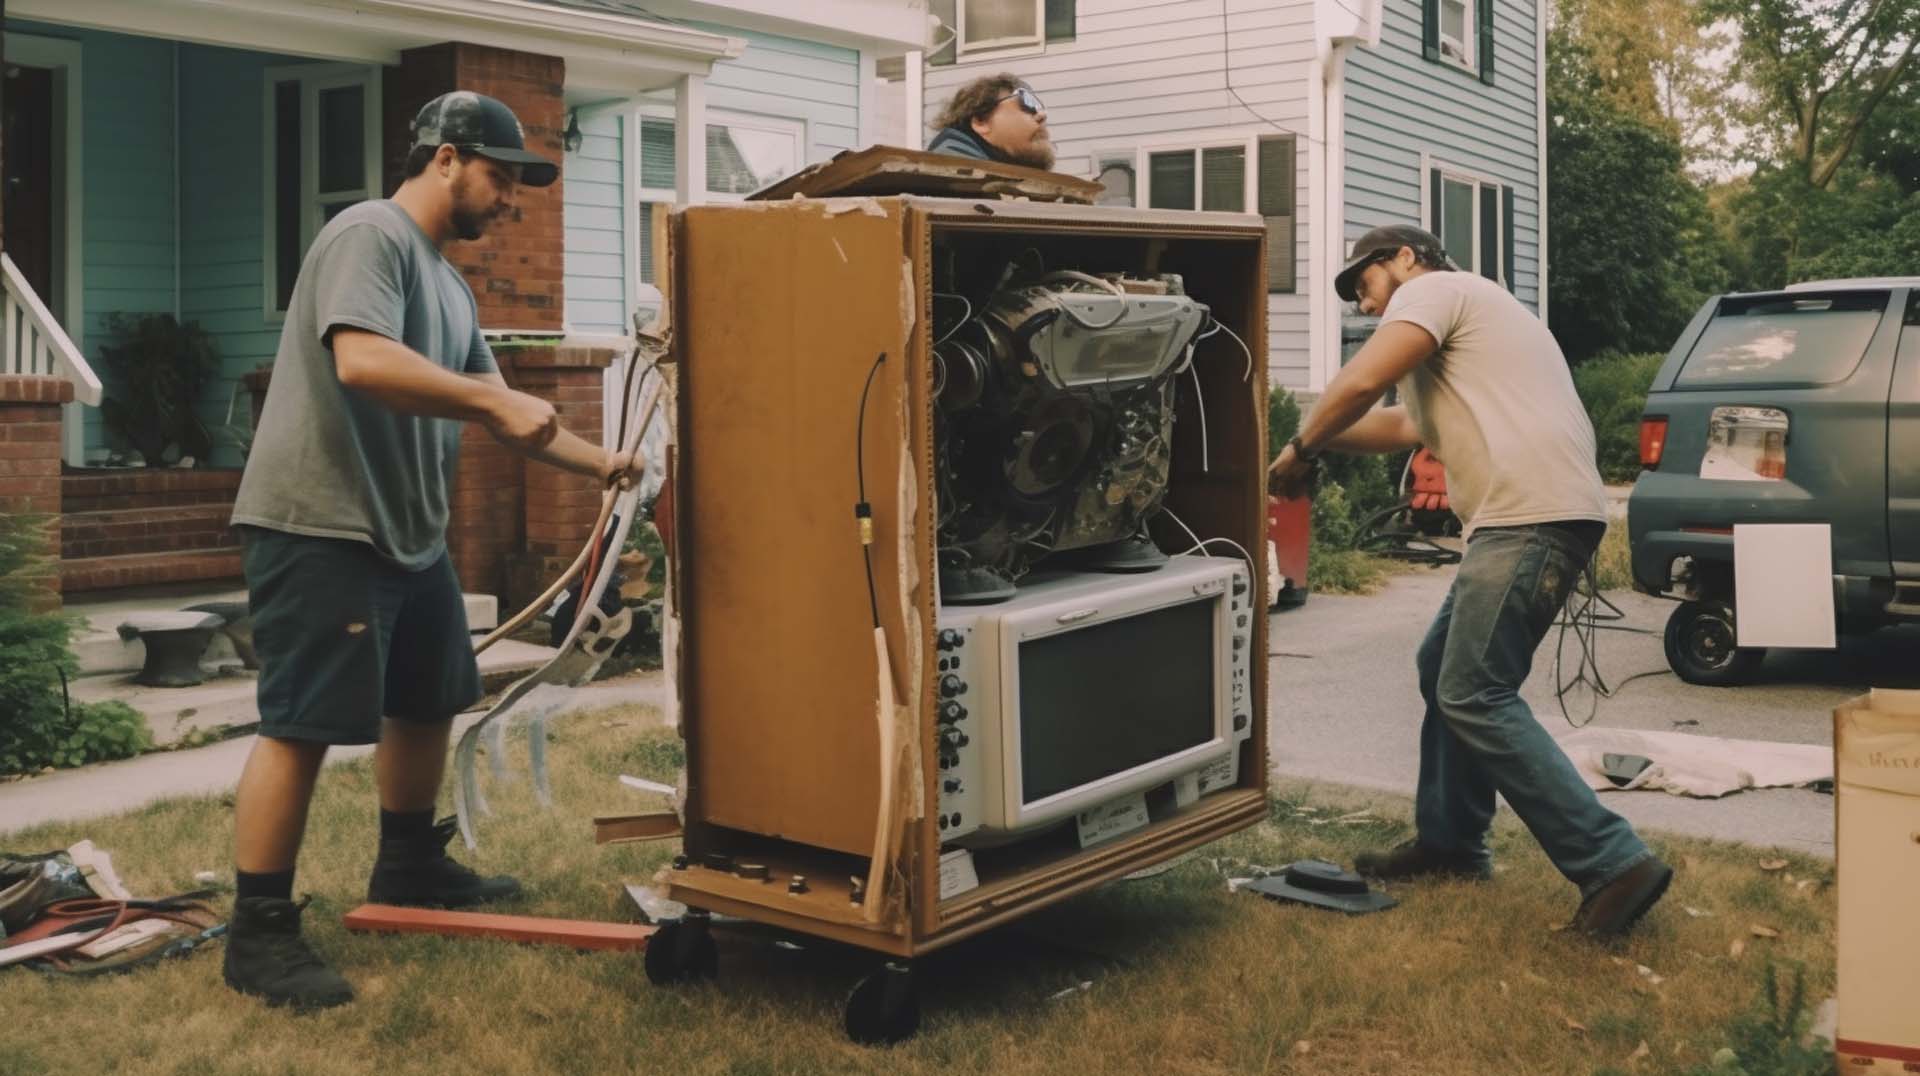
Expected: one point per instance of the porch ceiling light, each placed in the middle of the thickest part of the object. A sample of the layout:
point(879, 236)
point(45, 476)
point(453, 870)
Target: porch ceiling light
point(572, 138)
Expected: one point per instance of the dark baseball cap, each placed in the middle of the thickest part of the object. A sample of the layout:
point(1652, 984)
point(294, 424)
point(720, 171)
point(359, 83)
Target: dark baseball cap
point(1378, 245)
point(476, 122)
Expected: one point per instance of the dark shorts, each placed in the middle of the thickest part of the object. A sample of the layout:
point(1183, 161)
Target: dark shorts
point(345, 637)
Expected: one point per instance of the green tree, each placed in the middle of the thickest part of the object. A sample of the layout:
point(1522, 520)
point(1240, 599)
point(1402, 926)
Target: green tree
point(1633, 242)
point(1818, 70)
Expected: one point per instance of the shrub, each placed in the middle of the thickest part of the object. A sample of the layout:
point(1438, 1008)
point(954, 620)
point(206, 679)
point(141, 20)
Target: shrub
point(1614, 390)
point(41, 729)
point(1771, 1038)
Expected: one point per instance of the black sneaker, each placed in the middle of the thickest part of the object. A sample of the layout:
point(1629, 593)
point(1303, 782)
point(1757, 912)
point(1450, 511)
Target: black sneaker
point(419, 872)
point(267, 958)
point(1410, 859)
point(1614, 908)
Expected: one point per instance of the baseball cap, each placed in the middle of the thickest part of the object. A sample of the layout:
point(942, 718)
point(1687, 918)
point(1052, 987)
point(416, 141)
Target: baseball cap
point(1377, 245)
point(476, 122)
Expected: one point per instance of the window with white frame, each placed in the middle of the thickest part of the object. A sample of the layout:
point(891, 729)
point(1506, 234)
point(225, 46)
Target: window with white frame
point(1457, 33)
point(322, 141)
point(744, 153)
point(1473, 216)
point(989, 25)
point(1236, 173)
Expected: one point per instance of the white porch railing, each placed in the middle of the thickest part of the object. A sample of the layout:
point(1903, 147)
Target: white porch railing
point(34, 343)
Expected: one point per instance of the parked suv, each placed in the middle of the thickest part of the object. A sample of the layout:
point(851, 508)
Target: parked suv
point(1794, 406)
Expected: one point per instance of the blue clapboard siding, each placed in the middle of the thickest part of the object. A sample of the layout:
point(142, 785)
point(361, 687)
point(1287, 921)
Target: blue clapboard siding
point(1400, 104)
point(793, 79)
point(222, 245)
point(1150, 71)
point(596, 271)
point(127, 189)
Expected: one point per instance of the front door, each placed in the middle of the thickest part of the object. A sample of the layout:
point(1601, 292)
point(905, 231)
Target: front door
point(26, 175)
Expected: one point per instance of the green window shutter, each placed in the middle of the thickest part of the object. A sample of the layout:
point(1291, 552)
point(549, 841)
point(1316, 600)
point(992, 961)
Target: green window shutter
point(1060, 20)
point(1430, 29)
point(1490, 232)
point(1276, 188)
point(1485, 12)
point(1432, 223)
point(1506, 240)
point(949, 29)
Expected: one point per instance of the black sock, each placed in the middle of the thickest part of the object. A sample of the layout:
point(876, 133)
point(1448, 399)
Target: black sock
point(276, 884)
point(406, 825)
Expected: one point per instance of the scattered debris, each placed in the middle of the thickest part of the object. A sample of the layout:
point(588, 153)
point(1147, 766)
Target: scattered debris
point(1573, 1025)
point(1738, 948)
point(1640, 1053)
point(1696, 913)
point(1302, 1048)
point(1773, 864)
point(1323, 885)
point(1077, 988)
point(1504, 988)
point(1652, 977)
point(645, 785)
point(1764, 931)
point(654, 906)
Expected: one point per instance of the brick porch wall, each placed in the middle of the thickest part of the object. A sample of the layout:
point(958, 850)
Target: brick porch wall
point(516, 273)
point(559, 506)
point(30, 459)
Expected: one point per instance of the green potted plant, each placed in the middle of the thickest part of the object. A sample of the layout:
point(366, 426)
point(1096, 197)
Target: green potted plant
point(158, 369)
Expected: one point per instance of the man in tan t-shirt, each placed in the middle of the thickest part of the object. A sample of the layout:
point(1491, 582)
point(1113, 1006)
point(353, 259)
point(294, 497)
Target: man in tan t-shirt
point(1488, 390)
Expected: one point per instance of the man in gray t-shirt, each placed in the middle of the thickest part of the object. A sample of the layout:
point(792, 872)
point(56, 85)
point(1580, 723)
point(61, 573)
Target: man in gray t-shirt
point(358, 618)
point(1488, 390)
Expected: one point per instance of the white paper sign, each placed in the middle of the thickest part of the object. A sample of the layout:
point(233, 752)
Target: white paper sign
point(957, 874)
point(1113, 818)
point(1783, 585)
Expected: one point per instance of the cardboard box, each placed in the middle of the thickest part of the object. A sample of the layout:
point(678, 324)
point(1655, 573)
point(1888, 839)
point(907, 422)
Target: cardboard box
point(1876, 743)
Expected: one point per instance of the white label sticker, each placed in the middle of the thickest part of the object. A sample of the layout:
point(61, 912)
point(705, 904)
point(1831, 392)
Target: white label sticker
point(1218, 774)
point(1111, 819)
point(956, 873)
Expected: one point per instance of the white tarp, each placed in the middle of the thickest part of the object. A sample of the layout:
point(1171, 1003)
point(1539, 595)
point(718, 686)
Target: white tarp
point(1704, 766)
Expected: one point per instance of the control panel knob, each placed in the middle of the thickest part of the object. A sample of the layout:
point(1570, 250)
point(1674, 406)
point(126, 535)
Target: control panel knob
point(948, 639)
point(951, 685)
point(1239, 584)
point(952, 786)
point(1239, 642)
point(951, 711)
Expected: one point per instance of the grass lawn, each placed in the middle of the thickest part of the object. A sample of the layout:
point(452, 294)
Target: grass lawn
point(1168, 974)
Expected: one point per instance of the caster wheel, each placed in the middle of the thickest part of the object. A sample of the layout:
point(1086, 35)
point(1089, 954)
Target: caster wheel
point(1700, 646)
point(682, 950)
point(884, 1008)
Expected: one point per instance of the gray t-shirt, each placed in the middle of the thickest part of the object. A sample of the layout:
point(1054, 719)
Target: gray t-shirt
point(333, 463)
point(1496, 404)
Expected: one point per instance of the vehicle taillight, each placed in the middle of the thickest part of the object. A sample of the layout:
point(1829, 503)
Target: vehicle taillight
point(1653, 441)
point(1746, 444)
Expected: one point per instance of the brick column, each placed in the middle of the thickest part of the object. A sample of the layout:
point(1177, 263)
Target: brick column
point(30, 459)
point(559, 506)
point(515, 272)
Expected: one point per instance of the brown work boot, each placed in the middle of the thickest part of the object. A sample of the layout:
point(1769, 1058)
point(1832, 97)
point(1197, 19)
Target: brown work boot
point(1614, 908)
point(1410, 859)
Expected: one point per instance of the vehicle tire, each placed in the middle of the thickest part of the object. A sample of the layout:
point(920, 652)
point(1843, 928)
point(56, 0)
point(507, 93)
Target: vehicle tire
point(1700, 646)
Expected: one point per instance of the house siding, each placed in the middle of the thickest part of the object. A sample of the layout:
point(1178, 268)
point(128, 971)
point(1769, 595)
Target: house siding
point(789, 78)
point(1399, 105)
point(596, 262)
point(223, 245)
point(1146, 71)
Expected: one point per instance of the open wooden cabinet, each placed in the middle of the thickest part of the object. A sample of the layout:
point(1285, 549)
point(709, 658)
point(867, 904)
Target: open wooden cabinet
point(803, 336)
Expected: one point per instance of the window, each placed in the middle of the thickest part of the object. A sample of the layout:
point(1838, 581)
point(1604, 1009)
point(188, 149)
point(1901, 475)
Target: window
point(1474, 219)
point(1459, 33)
point(989, 28)
point(1799, 340)
point(1231, 174)
point(322, 142)
point(744, 154)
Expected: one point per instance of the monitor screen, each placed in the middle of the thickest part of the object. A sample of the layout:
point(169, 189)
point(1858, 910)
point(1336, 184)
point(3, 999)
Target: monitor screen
point(1104, 699)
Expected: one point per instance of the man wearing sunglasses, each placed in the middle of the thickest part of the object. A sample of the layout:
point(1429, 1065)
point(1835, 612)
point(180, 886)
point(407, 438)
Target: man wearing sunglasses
point(1487, 388)
point(996, 118)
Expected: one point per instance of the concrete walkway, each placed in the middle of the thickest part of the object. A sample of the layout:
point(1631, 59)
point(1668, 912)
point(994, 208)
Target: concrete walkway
point(112, 787)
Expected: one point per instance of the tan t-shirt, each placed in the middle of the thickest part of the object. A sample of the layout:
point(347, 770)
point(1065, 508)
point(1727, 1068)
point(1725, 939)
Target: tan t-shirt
point(1496, 405)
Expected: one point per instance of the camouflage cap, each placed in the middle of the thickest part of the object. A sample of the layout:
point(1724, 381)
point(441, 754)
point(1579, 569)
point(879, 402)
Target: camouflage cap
point(479, 123)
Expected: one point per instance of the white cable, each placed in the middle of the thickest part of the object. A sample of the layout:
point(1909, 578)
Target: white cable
point(1200, 399)
point(1244, 349)
point(964, 318)
point(1200, 544)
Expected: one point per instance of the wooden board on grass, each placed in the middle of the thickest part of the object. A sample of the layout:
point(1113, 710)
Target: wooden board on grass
point(572, 933)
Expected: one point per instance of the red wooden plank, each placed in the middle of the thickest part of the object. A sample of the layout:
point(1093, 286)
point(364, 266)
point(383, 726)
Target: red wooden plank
point(572, 933)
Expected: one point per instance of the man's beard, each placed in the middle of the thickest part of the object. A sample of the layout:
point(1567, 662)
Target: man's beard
point(470, 225)
point(1035, 154)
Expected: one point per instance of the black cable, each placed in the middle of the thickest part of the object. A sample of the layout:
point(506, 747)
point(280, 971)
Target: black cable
point(863, 511)
point(1586, 593)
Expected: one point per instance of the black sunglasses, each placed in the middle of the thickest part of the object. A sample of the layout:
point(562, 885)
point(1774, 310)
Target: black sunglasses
point(1029, 101)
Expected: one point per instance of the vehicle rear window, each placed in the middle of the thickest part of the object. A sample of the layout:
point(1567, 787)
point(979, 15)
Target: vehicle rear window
point(1774, 340)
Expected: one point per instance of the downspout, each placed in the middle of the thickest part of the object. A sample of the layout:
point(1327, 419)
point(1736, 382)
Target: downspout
point(178, 200)
point(1540, 120)
point(1320, 151)
point(916, 65)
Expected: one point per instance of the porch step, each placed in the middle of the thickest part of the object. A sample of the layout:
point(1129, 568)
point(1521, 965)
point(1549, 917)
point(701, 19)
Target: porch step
point(228, 701)
point(140, 569)
point(125, 531)
point(111, 490)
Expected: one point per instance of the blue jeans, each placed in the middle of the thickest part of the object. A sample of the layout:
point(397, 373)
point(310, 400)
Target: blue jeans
point(1479, 737)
